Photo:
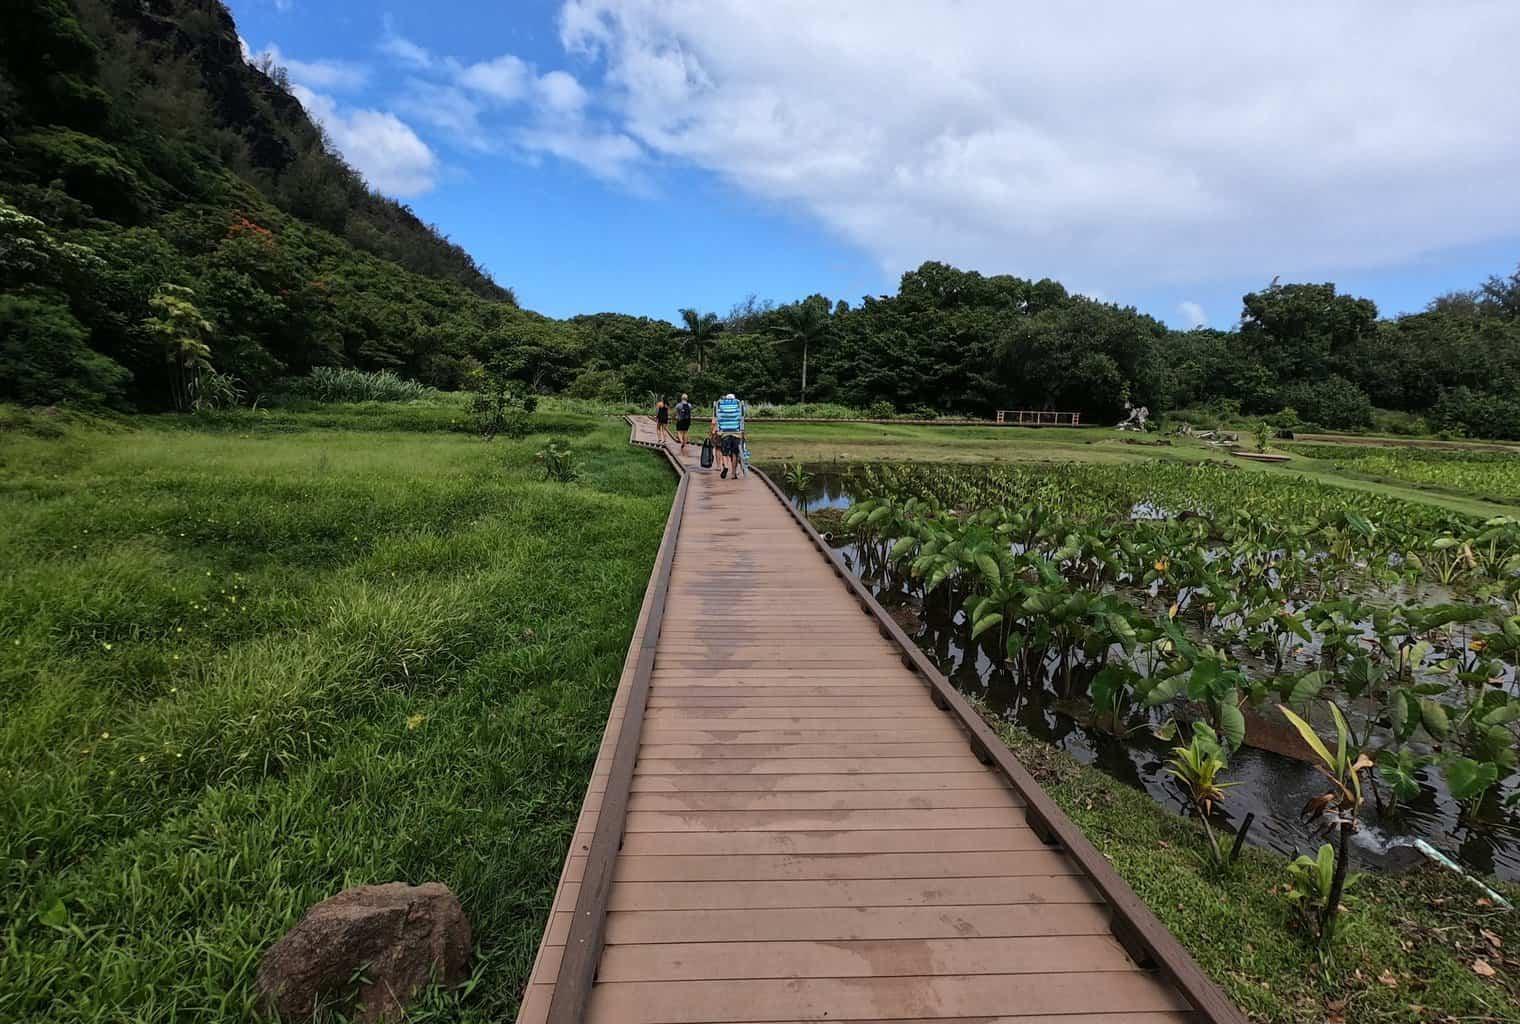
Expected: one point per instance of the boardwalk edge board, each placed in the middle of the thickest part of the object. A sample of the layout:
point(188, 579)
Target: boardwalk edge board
point(1132, 923)
point(583, 944)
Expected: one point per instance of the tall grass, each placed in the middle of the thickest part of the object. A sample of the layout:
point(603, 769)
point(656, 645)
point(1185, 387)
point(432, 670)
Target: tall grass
point(339, 384)
point(244, 669)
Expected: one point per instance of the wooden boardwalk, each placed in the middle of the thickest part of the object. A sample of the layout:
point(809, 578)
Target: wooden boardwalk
point(785, 824)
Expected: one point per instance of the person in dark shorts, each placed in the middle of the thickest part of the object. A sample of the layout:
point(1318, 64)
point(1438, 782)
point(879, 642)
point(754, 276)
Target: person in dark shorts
point(661, 419)
point(683, 421)
point(729, 412)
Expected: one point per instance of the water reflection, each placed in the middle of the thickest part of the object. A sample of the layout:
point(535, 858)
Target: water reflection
point(1271, 786)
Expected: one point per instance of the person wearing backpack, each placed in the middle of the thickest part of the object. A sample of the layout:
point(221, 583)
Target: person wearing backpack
point(729, 413)
point(683, 421)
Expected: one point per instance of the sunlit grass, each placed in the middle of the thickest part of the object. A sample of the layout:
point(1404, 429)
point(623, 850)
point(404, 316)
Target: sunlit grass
point(250, 663)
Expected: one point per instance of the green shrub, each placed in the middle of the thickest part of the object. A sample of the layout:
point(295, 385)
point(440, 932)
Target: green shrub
point(1463, 412)
point(45, 356)
point(1334, 402)
point(882, 410)
point(338, 384)
point(91, 170)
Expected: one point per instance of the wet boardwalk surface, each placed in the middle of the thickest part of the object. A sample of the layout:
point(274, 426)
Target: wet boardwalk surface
point(806, 835)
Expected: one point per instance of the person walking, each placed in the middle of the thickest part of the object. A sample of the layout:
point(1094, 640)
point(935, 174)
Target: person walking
point(729, 413)
point(683, 421)
point(661, 419)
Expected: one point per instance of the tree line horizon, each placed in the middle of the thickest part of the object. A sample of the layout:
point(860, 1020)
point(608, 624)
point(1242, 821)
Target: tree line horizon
point(175, 230)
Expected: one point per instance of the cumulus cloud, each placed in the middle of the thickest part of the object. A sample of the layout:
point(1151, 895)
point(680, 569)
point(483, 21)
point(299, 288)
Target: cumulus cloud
point(378, 144)
point(1193, 313)
point(1101, 141)
point(324, 75)
point(507, 78)
point(506, 104)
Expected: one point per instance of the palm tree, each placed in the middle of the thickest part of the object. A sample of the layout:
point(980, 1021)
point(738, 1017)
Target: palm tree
point(803, 325)
point(700, 330)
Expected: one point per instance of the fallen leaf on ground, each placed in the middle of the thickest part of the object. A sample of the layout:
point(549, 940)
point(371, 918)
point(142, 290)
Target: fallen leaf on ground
point(1481, 968)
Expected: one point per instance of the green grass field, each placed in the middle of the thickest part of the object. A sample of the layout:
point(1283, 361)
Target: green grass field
point(253, 659)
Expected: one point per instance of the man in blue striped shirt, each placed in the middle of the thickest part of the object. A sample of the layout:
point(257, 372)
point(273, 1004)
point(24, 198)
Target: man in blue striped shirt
point(729, 412)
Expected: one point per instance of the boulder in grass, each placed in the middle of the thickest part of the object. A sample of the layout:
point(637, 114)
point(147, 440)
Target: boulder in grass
point(397, 937)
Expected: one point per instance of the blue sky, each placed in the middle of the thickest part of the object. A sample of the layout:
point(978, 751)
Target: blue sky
point(639, 156)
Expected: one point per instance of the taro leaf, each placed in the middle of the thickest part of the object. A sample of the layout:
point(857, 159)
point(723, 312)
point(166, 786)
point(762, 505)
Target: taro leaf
point(1165, 690)
point(1167, 731)
point(1205, 736)
point(1040, 604)
point(1231, 722)
point(1306, 689)
point(1497, 745)
point(1467, 778)
point(902, 547)
point(1106, 687)
point(989, 566)
point(1121, 629)
point(1397, 771)
point(1434, 718)
point(1502, 714)
point(1361, 673)
point(878, 515)
point(1406, 714)
point(985, 623)
point(1015, 644)
point(1324, 864)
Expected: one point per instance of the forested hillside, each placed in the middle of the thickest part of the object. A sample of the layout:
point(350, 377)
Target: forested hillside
point(174, 231)
point(140, 154)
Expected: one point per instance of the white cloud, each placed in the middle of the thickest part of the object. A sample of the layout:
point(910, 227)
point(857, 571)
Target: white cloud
point(559, 93)
point(611, 156)
point(1101, 141)
point(1193, 313)
point(377, 144)
point(393, 44)
point(448, 110)
point(506, 78)
point(325, 75)
point(505, 104)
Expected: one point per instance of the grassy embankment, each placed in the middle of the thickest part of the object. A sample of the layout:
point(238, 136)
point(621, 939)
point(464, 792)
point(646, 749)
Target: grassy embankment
point(251, 659)
point(818, 444)
point(1412, 947)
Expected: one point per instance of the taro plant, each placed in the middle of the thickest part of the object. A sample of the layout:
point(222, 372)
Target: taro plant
point(1339, 806)
point(1311, 880)
point(557, 462)
point(797, 478)
point(1198, 767)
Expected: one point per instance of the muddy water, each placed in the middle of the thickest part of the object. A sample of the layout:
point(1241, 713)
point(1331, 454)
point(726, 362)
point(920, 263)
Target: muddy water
point(1273, 785)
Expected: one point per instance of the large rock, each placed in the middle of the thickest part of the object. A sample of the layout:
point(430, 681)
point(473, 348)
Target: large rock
point(399, 936)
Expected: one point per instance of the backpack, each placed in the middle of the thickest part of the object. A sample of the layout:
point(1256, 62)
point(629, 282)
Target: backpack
point(707, 454)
